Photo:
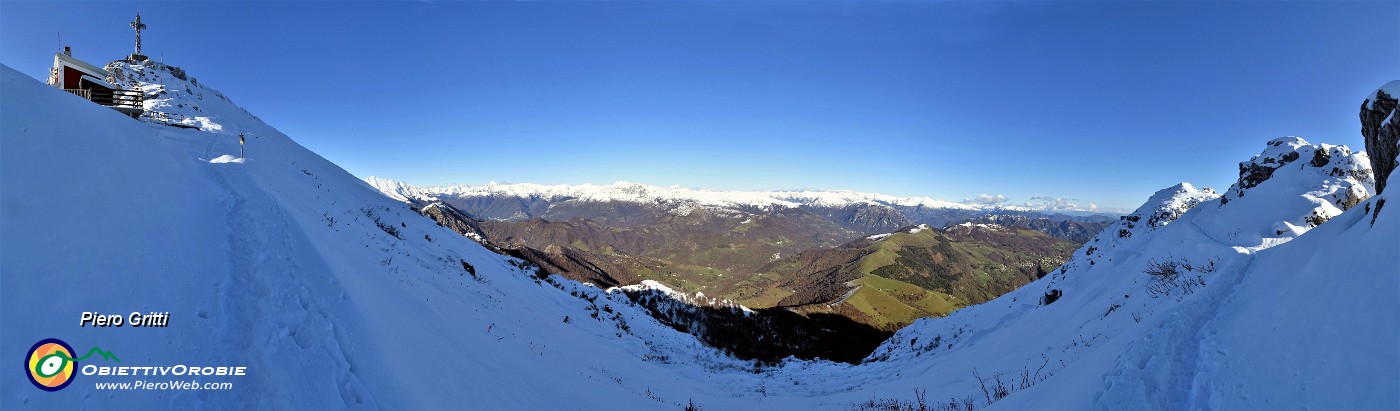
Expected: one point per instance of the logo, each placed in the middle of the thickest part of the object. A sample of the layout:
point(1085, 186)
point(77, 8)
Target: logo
point(50, 363)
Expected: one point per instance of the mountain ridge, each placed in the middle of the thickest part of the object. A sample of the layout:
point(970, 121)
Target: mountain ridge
point(622, 191)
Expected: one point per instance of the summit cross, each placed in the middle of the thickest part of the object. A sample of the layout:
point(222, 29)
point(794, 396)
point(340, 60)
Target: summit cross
point(138, 25)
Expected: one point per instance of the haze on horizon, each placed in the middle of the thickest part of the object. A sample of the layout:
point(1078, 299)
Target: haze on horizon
point(1101, 102)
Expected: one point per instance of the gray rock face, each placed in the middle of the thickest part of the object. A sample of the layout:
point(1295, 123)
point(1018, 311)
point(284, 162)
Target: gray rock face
point(452, 218)
point(1254, 172)
point(1381, 128)
point(1293, 155)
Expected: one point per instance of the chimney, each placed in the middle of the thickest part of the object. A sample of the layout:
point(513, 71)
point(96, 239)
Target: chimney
point(68, 51)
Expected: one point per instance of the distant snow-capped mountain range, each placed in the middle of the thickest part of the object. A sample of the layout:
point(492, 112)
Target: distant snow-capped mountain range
point(628, 192)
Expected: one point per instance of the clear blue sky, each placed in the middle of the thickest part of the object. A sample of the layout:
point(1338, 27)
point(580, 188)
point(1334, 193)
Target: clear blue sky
point(1100, 101)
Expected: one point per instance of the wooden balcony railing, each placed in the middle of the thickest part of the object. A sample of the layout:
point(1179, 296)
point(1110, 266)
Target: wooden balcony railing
point(80, 92)
point(130, 102)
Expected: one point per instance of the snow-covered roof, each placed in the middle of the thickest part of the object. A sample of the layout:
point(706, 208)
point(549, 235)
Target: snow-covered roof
point(60, 58)
point(98, 81)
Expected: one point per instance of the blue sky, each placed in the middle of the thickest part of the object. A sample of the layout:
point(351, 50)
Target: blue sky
point(1104, 102)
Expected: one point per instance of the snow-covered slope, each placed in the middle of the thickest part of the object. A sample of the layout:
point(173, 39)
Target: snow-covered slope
point(399, 190)
point(172, 97)
point(1103, 333)
point(330, 293)
point(335, 295)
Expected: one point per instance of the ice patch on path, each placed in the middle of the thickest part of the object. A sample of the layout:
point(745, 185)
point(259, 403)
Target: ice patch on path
point(226, 159)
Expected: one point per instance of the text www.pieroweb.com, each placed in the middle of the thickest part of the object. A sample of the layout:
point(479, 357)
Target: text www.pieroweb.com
point(164, 385)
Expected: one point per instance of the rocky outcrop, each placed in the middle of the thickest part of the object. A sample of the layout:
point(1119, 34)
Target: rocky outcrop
point(1165, 206)
point(576, 265)
point(452, 218)
point(1381, 129)
point(1161, 209)
point(1260, 168)
point(1304, 159)
point(175, 99)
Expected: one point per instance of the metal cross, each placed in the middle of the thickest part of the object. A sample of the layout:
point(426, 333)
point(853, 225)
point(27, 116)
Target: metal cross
point(138, 25)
